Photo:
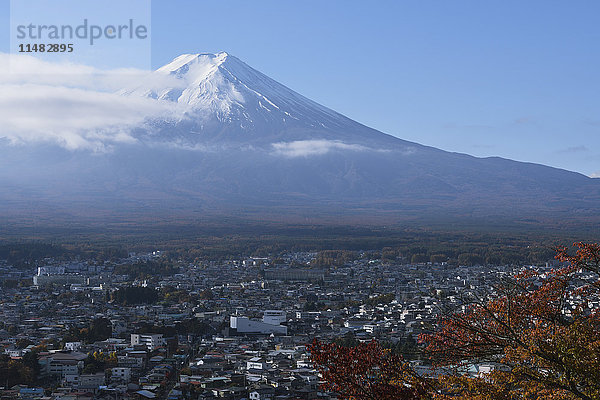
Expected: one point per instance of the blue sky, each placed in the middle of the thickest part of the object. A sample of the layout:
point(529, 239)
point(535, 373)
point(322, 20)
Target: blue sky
point(508, 78)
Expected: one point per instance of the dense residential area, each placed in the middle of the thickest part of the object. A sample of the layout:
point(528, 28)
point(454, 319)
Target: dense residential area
point(147, 326)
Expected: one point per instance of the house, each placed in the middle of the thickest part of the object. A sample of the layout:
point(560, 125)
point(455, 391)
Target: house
point(61, 363)
point(31, 393)
point(120, 374)
point(152, 341)
point(91, 381)
point(72, 346)
point(263, 392)
point(256, 363)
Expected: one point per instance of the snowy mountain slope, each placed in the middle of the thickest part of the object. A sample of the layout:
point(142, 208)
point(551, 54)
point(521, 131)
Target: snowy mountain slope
point(225, 88)
point(217, 92)
point(240, 142)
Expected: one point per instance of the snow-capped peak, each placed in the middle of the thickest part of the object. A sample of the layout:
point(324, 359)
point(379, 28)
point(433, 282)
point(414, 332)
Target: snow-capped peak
point(196, 82)
point(223, 87)
point(185, 60)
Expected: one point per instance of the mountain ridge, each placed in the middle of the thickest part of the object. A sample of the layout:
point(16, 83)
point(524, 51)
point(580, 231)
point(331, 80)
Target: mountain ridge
point(242, 142)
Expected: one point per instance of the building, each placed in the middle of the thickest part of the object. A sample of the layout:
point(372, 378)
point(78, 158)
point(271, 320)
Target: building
point(256, 363)
point(92, 381)
point(59, 279)
point(72, 346)
point(61, 364)
point(295, 274)
point(133, 359)
point(121, 374)
point(152, 341)
point(246, 325)
point(31, 393)
point(274, 317)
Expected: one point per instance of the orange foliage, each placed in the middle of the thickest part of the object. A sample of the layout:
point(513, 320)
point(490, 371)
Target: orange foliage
point(366, 371)
point(540, 331)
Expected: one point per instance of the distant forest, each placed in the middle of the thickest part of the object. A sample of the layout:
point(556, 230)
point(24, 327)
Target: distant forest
point(334, 246)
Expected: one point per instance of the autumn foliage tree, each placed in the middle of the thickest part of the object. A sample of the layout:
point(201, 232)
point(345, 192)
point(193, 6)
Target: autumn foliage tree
point(539, 330)
point(366, 371)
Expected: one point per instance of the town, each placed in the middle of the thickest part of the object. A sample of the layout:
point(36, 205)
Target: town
point(146, 327)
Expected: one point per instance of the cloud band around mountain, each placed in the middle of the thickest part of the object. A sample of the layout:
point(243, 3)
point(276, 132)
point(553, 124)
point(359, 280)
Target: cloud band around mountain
point(70, 105)
point(306, 148)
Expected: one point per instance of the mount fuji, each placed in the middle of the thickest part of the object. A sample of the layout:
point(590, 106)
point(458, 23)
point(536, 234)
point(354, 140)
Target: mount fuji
point(237, 143)
point(215, 93)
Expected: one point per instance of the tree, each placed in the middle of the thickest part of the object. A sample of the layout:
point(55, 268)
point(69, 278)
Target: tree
point(22, 343)
point(135, 295)
point(206, 294)
point(419, 258)
point(438, 258)
point(14, 372)
point(99, 361)
point(366, 371)
point(381, 299)
point(100, 329)
point(541, 329)
point(470, 259)
point(31, 360)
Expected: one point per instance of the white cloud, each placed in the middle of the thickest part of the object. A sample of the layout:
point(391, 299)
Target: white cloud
point(306, 148)
point(73, 118)
point(72, 105)
point(25, 69)
point(595, 174)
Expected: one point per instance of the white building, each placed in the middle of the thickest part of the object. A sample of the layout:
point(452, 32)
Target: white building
point(246, 325)
point(59, 279)
point(72, 346)
point(51, 270)
point(256, 363)
point(62, 364)
point(152, 341)
point(256, 395)
point(274, 317)
point(121, 374)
